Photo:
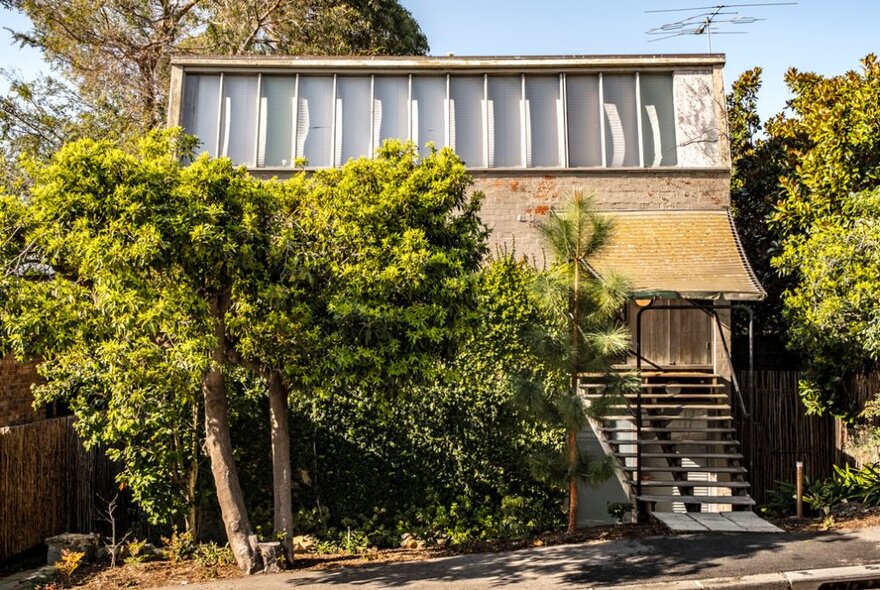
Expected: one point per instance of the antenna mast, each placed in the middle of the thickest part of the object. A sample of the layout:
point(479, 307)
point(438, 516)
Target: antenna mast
point(707, 20)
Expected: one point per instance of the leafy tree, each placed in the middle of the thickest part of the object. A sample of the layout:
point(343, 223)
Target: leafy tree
point(758, 161)
point(116, 52)
point(356, 274)
point(826, 215)
point(585, 337)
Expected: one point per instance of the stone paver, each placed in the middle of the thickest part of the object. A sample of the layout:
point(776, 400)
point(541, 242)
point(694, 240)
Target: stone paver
point(719, 522)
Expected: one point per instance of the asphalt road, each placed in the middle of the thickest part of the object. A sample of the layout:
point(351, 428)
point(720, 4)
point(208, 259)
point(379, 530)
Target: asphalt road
point(591, 565)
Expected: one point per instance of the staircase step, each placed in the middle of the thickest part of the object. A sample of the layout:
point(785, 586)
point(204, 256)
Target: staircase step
point(646, 406)
point(730, 485)
point(730, 456)
point(702, 443)
point(672, 373)
point(734, 500)
point(670, 418)
point(671, 429)
point(683, 385)
point(676, 469)
point(662, 396)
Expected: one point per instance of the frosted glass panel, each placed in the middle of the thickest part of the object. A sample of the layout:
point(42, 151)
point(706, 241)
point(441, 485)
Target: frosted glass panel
point(315, 120)
point(505, 121)
point(584, 134)
point(543, 121)
point(239, 122)
point(277, 129)
point(201, 104)
point(466, 119)
point(621, 126)
point(390, 109)
point(658, 120)
point(353, 118)
point(429, 111)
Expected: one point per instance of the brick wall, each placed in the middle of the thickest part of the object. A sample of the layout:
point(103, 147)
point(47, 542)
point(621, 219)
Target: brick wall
point(514, 203)
point(16, 399)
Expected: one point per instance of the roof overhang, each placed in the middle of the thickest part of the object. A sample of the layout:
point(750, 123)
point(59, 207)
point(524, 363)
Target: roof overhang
point(341, 64)
point(679, 254)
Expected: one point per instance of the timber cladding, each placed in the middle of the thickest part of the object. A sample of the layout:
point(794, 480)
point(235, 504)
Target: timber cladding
point(16, 399)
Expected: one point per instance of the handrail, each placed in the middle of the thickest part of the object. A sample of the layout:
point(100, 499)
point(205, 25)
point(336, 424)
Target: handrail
point(713, 311)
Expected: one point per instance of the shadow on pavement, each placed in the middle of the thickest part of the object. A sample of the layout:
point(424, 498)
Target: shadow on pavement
point(619, 562)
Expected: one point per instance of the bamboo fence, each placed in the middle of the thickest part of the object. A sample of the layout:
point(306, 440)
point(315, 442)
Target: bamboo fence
point(49, 484)
point(778, 433)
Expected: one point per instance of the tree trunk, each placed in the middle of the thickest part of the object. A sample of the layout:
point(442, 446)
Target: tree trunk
point(278, 414)
point(218, 441)
point(192, 509)
point(571, 447)
point(571, 443)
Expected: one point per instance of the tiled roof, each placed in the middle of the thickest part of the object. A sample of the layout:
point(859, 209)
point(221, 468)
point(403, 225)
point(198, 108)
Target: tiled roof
point(680, 254)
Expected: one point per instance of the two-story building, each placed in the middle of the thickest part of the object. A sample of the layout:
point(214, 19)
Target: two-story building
point(646, 135)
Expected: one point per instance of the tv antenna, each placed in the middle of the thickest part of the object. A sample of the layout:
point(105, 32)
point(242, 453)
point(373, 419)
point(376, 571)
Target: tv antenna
point(707, 20)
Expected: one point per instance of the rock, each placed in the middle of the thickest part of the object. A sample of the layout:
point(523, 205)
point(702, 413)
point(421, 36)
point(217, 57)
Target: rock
point(410, 542)
point(304, 543)
point(75, 542)
point(271, 553)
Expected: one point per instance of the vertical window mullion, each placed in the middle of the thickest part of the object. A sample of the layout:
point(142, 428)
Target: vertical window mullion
point(563, 135)
point(486, 120)
point(602, 120)
point(333, 132)
point(219, 118)
point(295, 133)
point(639, 122)
point(409, 110)
point(261, 136)
point(524, 137)
point(372, 116)
point(447, 133)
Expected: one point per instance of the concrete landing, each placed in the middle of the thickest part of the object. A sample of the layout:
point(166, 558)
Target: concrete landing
point(716, 522)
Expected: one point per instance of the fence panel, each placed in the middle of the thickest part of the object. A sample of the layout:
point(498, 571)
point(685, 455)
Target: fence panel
point(50, 484)
point(779, 433)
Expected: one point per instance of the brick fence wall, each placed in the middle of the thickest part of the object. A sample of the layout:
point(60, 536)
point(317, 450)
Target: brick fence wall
point(16, 399)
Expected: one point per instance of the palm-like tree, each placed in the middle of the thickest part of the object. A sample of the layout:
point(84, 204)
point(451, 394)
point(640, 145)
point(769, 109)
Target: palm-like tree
point(586, 335)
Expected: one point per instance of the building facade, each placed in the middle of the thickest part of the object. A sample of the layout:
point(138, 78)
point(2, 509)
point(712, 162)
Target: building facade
point(647, 136)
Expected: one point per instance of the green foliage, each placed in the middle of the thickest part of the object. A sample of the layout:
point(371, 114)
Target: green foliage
point(214, 555)
point(848, 484)
point(759, 157)
point(827, 217)
point(581, 335)
point(136, 552)
point(179, 546)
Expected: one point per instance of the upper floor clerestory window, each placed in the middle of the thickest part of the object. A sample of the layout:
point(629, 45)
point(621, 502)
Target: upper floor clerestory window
point(614, 120)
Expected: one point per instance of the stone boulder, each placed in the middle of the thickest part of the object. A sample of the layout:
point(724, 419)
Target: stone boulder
point(73, 542)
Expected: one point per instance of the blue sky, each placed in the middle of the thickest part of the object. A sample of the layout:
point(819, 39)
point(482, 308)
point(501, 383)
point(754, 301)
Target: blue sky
point(828, 37)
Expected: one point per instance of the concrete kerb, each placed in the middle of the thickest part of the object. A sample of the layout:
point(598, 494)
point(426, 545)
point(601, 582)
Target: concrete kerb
point(794, 580)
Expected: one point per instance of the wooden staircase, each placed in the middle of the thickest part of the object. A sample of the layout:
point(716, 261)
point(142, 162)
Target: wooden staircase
point(690, 458)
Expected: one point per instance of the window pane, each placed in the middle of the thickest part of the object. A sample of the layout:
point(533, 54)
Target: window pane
point(658, 120)
point(201, 103)
point(276, 121)
point(466, 119)
point(544, 118)
point(621, 127)
point(390, 109)
point(315, 120)
point(505, 121)
point(584, 135)
point(429, 111)
point(239, 138)
point(352, 118)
